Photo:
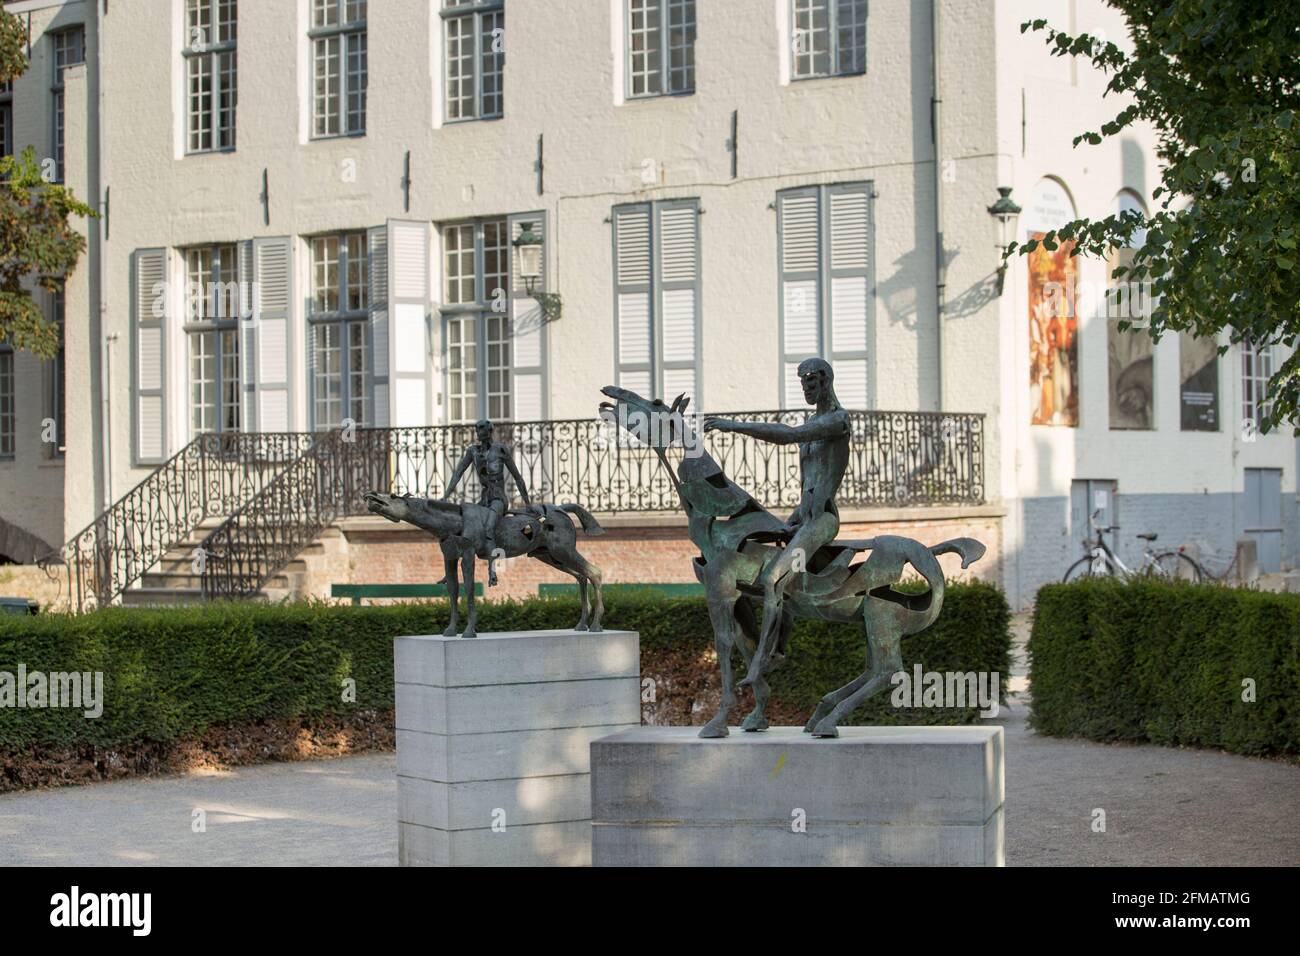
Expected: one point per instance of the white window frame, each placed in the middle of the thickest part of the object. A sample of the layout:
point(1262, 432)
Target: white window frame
point(1258, 363)
point(349, 103)
point(488, 313)
point(666, 76)
point(803, 11)
point(356, 400)
point(214, 317)
point(483, 18)
point(208, 44)
point(61, 60)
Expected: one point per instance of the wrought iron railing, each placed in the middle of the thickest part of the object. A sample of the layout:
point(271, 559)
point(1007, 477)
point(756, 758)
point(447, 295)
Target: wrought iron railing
point(212, 476)
point(896, 459)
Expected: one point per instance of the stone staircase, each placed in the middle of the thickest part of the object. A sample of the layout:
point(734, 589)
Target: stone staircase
point(173, 581)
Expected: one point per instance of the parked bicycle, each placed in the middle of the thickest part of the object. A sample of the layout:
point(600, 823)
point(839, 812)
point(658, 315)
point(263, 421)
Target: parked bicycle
point(1101, 561)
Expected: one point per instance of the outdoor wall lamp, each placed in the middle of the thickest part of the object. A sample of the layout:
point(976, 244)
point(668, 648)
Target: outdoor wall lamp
point(529, 246)
point(1006, 212)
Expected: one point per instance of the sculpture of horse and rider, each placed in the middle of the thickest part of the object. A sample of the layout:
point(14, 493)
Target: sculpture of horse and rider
point(490, 531)
point(796, 568)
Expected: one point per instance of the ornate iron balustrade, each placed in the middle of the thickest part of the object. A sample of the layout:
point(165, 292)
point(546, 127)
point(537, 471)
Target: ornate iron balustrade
point(264, 535)
point(280, 491)
point(896, 459)
point(212, 476)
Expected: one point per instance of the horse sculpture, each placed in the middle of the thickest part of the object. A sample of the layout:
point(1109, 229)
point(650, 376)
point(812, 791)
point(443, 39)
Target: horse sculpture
point(738, 539)
point(546, 533)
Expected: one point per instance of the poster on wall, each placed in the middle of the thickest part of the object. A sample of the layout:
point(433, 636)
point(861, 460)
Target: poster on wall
point(1198, 373)
point(1053, 336)
point(1129, 356)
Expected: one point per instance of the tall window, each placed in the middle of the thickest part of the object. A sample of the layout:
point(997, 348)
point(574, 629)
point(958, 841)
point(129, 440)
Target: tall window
point(7, 118)
point(212, 328)
point(69, 50)
point(1256, 370)
point(58, 368)
point(476, 320)
point(476, 58)
point(340, 330)
point(6, 401)
point(828, 37)
point(339, 67)
point(660, 47)
point(210, 74)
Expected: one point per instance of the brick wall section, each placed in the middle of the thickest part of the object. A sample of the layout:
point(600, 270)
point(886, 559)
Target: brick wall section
point(378, 552)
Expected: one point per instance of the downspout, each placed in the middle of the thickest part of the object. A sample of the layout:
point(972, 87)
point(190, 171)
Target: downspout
point(940, 271)
point(103, 473)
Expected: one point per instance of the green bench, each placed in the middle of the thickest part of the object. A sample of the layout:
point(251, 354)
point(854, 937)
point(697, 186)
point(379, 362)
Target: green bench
point(663, 590)
point(358, 591)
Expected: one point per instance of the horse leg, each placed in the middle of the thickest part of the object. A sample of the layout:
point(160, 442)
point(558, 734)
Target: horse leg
point(592, 573)
point(582, 594)
point(747, 641)
point(886, 660)
point(467, 564)
point(453, 591)
point(722, 616)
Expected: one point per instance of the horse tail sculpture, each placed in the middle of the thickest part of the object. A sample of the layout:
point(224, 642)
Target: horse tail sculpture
point(589, 523)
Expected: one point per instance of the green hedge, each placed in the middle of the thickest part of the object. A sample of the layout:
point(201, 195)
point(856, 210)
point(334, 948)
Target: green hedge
point(170, 673)
point(1165, 663)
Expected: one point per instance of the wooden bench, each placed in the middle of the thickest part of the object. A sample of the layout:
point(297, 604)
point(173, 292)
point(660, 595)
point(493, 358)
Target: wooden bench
point(667, 589)
point(358, 591)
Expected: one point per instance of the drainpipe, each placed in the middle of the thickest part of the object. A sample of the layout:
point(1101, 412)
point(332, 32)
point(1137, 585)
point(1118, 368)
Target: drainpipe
point(103, 474)
point(936, 102)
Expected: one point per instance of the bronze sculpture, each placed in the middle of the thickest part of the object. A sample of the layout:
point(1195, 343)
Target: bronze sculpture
point(545, 533)
point(491, 460)
point(795, 567)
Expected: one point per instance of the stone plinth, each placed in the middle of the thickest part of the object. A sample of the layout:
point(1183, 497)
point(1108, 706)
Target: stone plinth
point(661, 796)
point(493, 742)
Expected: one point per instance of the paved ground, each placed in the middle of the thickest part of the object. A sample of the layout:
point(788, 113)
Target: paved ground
point(1162, 807)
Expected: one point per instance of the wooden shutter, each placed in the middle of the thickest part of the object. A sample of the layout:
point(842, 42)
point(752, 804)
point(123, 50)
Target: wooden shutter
point(633, 343)
point(678, 234)
point(247, 340)
point(528, 341)
point(151, 310)
point(852, 297)
point(377, 250)
point(272, 302)
point(798, 217)
point(408, 309)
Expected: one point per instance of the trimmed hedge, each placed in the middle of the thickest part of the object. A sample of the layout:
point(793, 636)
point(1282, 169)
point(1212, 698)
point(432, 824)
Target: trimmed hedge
point(170, 673)
point(1164, 663)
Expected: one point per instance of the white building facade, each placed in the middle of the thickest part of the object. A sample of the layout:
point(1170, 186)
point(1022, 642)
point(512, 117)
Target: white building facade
point(309, 211)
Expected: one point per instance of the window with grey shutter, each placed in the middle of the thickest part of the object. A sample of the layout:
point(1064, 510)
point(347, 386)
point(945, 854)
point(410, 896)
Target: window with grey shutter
point(825, 236)
point(150, 313)
point(657, 298)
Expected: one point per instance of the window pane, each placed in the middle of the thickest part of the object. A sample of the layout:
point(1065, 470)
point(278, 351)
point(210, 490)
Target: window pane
point(496, 262)
point(681, 46)
point(358, 373)
point(645, 47)
point(229, 380)
point(851, 27)
point(357, 79)
point(460, 68)
point(810, 41)
point(227, 21)
point(328, 379)
point(358, 273)
point(226, 100)
point(325, 273)
point(458, 243)
point(328, 80)
point(356, 10)
point(325, 13)
point(6, 403)
point(494, 59)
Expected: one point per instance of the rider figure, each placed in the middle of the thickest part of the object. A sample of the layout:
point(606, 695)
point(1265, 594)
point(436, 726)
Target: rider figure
point(823, 457)
point(490, 459)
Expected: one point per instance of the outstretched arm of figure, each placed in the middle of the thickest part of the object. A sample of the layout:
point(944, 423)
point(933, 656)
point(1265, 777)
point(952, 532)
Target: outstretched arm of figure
point(830, 426)
point(519, 479)
point(458, 473)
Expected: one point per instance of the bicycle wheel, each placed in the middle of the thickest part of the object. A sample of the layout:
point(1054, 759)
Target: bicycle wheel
point(1078, 571)
point(1176, 566)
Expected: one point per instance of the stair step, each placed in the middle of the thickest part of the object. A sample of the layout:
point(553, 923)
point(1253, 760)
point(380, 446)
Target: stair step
point(158, 597)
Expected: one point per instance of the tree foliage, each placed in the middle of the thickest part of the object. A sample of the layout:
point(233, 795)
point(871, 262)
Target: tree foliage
point(38, 244)
point(1219, 80)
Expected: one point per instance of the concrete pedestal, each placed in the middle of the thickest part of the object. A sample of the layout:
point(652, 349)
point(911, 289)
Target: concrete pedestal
point(661, 796)
point(493, 742)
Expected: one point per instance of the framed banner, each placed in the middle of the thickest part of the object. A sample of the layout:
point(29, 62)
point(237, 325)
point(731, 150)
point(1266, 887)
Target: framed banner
point(1053, 336)
point(1198, 374)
